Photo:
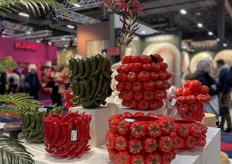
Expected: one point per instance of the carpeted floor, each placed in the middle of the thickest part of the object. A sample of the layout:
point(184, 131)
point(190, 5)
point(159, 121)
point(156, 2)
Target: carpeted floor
point(226, 144)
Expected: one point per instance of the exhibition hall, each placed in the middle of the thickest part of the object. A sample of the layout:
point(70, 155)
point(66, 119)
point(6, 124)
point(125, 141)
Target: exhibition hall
point(115, 81)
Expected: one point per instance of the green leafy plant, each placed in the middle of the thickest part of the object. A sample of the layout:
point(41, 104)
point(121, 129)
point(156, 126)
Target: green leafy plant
point(13, 152)
point(7, 63)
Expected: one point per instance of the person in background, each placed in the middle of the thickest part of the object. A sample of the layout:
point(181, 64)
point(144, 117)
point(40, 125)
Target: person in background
point(13, 80)
point(202, 74)
point(2, 83)
point(34, 84)
point(224, 91)
point(24, 86)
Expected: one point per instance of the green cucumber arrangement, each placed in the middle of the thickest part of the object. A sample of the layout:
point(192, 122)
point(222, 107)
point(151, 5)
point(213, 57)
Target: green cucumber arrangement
point(90, 80)
point(32, 125)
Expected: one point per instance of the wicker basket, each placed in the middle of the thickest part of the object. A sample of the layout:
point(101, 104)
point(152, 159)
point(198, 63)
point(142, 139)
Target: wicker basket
point(223, 158)
point(209, 120)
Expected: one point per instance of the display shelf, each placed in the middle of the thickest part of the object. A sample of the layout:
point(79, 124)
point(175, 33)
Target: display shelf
point(210, 154)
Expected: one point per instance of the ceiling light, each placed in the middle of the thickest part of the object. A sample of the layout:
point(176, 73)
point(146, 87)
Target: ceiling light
point(70, 26)
point(210, 33)
point(198, 13)
point(64, 49)
point(38, 41)
point(23, 14)
point(183, 11)
point(49, 43)
point(224, 45)
point(143, 32)
point(28, 32)
point(218, 39)
point(184, 47)
point(77, 5)
point(200, 25)
point(66, 45)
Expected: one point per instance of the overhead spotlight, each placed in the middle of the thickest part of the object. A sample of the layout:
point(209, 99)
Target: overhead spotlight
point(143, 32)
point(28, 32)
point(210, 33)
point(200, 25)
point(37, 41)
point(77, 5)
point(49, 43)
point(183, 11)
point(198, 13)
point(218, 39)
point(66, 45)
point(24, 14)
point(71, 26)
point(224, 45)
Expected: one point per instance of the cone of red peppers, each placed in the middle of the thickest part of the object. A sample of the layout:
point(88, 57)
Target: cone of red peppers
point(140, 139)
point(143, 81)
point(190, 100)
point(189, 134)
point(67, 136)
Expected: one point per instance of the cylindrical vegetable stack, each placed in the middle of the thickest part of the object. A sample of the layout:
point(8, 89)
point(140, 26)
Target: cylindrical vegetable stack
point(134, 139)
point(190, 100)
point(67, 136)
point(32, 125)
point(189, 134)
point(90, 80)
point(142, 81)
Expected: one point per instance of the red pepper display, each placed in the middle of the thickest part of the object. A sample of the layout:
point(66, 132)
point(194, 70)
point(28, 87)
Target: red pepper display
point(67, 136)
point(143, 81)
point(190, 100)
point(189, 134)
point(141, 139)
point(68, 97)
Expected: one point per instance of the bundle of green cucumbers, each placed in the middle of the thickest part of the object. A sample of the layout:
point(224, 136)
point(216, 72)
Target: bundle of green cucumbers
point(90, 81)
point(32, 125)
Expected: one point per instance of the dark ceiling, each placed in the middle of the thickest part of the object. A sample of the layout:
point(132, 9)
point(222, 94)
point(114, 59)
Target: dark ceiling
point(162, 15)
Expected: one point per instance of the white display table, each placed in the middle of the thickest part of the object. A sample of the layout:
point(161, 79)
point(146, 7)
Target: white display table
point(210, 154)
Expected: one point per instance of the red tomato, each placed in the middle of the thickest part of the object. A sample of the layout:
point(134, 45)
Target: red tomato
point(128, 95)
point(191, 99)
point(133, 104)
point(166, 85)
point(136, 67)
point(126, 59)
point(149, 85)
point(160, 104)
point(126, 103)
point(155, 67)
point(119, 70)
point(204, 90)
point(135, 59)
point(144, 76)
point(132, 77)
point(159, 95)
point(147, 67)
point(178, 92)
point(120, 86)
point(125, 68)
point(128, 86)
point(163, 66)
point(186, 92)
point(168, 75)
point(160, 59)
point(180, 100)
point(159, 84)
point(124, 77)
point(146, 59)
point(148, 96)
point(138, 96)
point(137, 86)
point(162, 76)
point(118, 77)
point(154, 76)
point(186, 83)
point(153, 105)
point(195, 85)
point(143, 105)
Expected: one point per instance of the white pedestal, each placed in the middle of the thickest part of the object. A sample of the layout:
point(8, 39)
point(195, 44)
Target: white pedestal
point(99, 123)
point(210, 154)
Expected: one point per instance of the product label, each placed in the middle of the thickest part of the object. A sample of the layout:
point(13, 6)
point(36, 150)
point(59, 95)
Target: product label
point(42, 109)
point(173, 102)
point(129, 120)
point(74, 135)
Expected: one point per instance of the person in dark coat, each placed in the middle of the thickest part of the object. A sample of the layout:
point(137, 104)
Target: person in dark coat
point(55, 95)
point(2, 83)
point(34, 84)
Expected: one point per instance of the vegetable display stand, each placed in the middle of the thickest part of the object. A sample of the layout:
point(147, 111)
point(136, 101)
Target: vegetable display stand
point(99, 123)
point(140, 138)
point(67, 136)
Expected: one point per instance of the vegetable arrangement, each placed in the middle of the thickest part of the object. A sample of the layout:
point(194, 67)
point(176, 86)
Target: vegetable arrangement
point(190, 100)
point(32, 125)
point(138, 138)
point(67, 136)
point(90, 80)
point(142, 81)
point(189, 134)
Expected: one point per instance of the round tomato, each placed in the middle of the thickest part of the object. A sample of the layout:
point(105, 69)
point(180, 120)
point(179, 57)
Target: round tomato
point(159, 84)
point(168, 75)
point(163, 66)
point(146, 59)
point(125, 68)
point(148, 96)
point(195, 85)
point(128, 86)
point(118, 77)
point(132, 77)
point(186, 92)
point(155, 67)
point(154, 76)
point(147, 67)
point(138, 96)
point(186, 83)
point(178, 92)
point(126, 59)
point(190, 99)
point(143, 105)
point(160, 59)
point(136, 67)
point(133, 104)
point(137, 86)
point(162, 76)
point(204, 90)
point(144, 76)
point(120, 86)
point(149, 85)
point(135, 59)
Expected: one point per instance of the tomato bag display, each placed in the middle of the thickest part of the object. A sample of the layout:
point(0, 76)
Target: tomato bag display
point(189, 134)
point(133, 139)
point(67, 136)
point(190, 100)
point(142, 81)
point(90, 80)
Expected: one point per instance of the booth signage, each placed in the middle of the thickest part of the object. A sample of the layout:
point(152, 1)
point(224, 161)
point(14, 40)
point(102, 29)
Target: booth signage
point(26, 46)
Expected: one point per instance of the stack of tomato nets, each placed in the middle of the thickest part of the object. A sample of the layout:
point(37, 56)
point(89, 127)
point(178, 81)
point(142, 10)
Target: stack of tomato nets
point(190, 100)
point(189, 134)
point(67, 136)
point(142, 81)
point(134, 139)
